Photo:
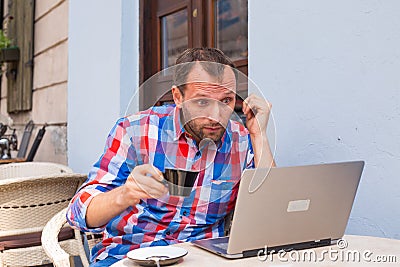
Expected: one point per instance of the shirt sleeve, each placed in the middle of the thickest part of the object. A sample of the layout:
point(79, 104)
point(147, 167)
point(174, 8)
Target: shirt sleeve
point(250, 155)
point(109, 172)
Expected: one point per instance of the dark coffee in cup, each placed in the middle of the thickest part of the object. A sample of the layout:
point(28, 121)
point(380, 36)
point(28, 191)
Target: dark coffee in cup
point(180, 182)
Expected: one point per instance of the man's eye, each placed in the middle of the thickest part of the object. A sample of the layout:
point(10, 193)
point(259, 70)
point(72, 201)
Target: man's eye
point(202, 102)
point(227, 100)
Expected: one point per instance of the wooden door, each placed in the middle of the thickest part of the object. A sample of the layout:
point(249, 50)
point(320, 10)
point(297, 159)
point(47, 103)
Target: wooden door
point(168, 27)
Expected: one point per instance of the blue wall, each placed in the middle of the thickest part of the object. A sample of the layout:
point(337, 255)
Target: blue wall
point(331, 71)
point(103, 73)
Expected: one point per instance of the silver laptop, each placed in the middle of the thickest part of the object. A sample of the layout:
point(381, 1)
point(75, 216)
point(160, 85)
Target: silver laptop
point(289, 208)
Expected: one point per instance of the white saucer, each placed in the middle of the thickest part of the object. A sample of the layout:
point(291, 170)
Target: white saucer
point(166, 254)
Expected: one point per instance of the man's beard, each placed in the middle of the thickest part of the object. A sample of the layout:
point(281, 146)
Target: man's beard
point(201, 133)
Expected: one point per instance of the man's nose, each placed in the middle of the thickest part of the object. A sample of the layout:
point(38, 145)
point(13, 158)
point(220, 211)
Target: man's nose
point(213, 111)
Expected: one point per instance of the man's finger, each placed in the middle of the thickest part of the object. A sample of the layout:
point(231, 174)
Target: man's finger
point(259, 104)
point(148, 186)
point(147, 181)
point(150, 170)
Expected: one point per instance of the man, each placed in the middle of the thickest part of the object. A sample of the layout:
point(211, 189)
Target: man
point(123, 196)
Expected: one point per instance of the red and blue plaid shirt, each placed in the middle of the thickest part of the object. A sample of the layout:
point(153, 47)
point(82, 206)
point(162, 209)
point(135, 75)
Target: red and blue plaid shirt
point(156, 136)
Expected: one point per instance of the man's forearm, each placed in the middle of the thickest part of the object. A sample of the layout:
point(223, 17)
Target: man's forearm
point(263, 157)
point(104, 207)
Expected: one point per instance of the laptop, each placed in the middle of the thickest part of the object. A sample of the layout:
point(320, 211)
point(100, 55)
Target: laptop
point(289, 208)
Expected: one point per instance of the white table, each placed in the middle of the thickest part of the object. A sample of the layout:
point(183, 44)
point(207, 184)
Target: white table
point(365, 246)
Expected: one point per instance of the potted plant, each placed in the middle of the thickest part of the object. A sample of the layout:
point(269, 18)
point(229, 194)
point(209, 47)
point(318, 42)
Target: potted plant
point(8, 52)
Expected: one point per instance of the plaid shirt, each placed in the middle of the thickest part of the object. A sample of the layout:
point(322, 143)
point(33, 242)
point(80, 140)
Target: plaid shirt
point(156, 136)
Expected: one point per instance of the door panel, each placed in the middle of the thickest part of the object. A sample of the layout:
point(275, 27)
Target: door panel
point(231, 28)
point(174, 36)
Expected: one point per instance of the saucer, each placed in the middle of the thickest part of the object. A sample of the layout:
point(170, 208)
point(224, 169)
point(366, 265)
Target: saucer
point(148, 256)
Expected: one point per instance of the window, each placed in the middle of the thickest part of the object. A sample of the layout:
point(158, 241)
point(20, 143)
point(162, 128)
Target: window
point(167, 27)
point(19, 27)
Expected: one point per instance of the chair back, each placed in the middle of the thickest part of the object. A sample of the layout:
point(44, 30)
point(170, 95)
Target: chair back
point(30, 169)
point(28, 202)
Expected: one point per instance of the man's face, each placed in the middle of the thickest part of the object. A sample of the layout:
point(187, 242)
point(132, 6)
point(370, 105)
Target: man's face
point(208, 103)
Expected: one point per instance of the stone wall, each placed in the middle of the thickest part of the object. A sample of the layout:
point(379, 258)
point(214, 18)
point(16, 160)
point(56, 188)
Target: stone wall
point(49, 100)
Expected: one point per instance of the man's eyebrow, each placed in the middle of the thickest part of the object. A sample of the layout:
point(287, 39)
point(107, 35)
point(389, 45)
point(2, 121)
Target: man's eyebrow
point(201, 95)
point(229, 92)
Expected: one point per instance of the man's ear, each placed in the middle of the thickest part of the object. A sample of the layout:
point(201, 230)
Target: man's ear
point(177, 95)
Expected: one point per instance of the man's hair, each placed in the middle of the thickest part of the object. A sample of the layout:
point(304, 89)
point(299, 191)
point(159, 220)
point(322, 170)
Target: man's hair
point(204, 56)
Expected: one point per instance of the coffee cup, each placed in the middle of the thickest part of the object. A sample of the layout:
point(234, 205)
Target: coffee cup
point(180, 182)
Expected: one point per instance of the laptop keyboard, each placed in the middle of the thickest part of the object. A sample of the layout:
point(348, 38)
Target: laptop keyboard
point(223, 246)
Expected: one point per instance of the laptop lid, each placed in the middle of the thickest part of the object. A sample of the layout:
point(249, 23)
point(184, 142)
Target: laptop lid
point(291, 205)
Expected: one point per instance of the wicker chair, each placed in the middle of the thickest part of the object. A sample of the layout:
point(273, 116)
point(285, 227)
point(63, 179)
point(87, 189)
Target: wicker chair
point(30, 194)
point(51, 245)
point(30, 169)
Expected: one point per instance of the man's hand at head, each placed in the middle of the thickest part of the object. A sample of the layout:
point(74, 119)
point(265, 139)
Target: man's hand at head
point(257, 112)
